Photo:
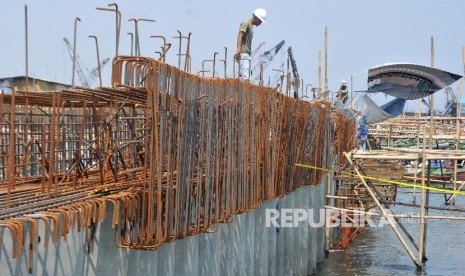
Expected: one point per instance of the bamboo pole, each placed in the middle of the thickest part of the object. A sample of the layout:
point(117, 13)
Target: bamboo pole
point(320, 83)
point(416, 166)
point(453, 209)
point(351, 91)
point(457, 132)
point(26, 47)
point(393, 215)
point(451, 199)
point(288, 79)
point(422, 208)
point(459, 153)
point(326, 63)
point(458, 125)
point(431, 102)
point(386, 204)
point(415, 182)
point(329, 163)
point(431, 132)
point(385, 214)
point(390, 136)
point(418, 108)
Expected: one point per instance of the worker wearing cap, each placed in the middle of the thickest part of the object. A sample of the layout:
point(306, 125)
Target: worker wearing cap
point(244, 42)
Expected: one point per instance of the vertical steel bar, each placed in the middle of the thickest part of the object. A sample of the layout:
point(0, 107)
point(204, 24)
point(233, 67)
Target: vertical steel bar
point(132, 42)
point(179, 49)
point(98, 59)
point(214, 63)
point(225, 60)
point(76, 19)
point(60, 167)
point(188, 54)
point(43, 153)
point(51, 166)
point(118, 25)
point(136, 32)
point(12, 149)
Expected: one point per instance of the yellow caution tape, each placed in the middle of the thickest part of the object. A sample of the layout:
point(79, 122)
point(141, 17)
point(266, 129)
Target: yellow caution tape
point(400, 183)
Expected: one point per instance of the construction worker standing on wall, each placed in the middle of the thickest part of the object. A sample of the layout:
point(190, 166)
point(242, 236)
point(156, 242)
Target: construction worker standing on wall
point(342, 93)
point(244, 42)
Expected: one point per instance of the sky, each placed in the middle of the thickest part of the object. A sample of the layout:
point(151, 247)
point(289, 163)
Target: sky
point(361, 34)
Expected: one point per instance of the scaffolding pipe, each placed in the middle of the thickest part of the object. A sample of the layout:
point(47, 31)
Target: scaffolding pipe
point(385, 214)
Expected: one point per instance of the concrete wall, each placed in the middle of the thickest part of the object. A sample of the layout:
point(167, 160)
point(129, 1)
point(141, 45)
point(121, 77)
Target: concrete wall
point(243, 247)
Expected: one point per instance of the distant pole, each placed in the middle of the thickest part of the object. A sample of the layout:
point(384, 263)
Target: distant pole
point(463, 59)
point(425, 194)
point(431, 101)
point(320, 83)
point(132, 41)
point(423, 226)
point(352, 91)
point(458, 126)
point(432, 51)
point(26, 48)
point(98, 59)
point(76, 19)
point(326, 63)
point(225, 60)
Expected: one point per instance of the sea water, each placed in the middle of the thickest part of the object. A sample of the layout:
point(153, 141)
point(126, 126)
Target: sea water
point(378, 251)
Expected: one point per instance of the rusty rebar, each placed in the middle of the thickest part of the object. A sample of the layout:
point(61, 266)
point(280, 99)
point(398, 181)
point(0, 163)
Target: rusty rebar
point(76, 20)
point(98, 59)
point(174, 153)
point(136, 32)
point(132, 41)
point(118, 23)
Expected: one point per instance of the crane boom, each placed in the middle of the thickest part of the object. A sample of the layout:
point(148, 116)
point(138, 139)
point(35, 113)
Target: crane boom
point(78, 63)
point(296, 80)
point(91, 75)
point(257, 49)
point(265, 59)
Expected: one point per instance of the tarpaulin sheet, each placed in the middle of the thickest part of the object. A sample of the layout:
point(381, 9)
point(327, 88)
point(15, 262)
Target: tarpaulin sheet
point(376, 114)
point(408, 81)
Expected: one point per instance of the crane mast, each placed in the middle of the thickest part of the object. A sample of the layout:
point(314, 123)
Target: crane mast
point(296, 78)
point(92, 75)
point(78, 63)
